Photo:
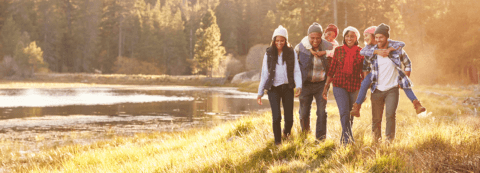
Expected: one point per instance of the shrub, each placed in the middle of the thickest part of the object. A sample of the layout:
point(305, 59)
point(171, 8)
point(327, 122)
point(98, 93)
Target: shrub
point(124, 65)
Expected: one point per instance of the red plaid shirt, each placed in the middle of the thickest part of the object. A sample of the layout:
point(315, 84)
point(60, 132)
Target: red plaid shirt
point(350, 82)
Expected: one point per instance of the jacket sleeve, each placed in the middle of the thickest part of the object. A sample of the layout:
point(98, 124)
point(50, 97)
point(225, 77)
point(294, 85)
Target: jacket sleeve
point(333, 64)
point(367, 51)
point(362, 59)
point(406, 61)
point(397, 45)
point(263, 76)
point(297, 74)
point(366, 64)
point(297, 48)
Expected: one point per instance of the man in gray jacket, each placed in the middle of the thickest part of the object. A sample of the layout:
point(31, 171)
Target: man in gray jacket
point(313, 66)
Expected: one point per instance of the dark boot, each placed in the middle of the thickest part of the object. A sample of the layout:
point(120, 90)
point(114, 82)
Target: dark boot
point(418, 107)
point(356, 110)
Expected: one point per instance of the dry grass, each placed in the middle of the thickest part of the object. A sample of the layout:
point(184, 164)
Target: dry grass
point(446, 140)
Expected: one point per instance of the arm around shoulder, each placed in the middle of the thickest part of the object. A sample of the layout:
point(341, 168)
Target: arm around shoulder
point(327, 45)
point(396, 44)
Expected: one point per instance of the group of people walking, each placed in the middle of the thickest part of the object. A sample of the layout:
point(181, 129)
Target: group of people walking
point(318, 61)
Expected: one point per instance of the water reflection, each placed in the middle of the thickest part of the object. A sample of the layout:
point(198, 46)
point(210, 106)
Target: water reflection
point(182, 104)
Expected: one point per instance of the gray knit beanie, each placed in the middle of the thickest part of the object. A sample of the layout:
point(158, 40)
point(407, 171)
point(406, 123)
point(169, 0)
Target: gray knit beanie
point(315, 27)
point(383, 29)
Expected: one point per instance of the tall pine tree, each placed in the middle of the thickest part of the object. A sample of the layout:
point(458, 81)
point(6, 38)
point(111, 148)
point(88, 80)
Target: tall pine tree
point(208, 49)
point(10, 36)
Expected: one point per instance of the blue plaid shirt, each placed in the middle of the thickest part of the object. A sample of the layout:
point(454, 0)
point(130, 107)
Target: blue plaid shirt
point(398, 60)
point(367, 52)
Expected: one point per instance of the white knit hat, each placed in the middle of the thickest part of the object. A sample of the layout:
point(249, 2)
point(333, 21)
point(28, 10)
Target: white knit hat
point(351, 28)
point(280, 31)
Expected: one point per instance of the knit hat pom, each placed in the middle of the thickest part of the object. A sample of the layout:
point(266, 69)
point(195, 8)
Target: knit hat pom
point(280, 31)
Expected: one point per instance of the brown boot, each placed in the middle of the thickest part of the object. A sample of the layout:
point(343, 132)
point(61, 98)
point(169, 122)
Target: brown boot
point(356, 110)
point(418, 107)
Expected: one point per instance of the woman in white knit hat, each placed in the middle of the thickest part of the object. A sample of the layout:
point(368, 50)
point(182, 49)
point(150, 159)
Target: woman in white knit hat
point(280, 75)
point(346, 74)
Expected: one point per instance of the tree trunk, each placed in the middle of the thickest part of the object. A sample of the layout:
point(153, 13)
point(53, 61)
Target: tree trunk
point(335, 12)
point(120, 39)
point(302, 18)
point(191, 43)
point(345, 7)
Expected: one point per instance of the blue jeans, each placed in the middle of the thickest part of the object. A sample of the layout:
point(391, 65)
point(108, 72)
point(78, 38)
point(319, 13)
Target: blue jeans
point(276, 95)
point(310, 91)
point(366, 84)
point(388, 100)
point(345, 102)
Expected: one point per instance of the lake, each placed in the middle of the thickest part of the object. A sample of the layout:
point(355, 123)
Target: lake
point(78, 108)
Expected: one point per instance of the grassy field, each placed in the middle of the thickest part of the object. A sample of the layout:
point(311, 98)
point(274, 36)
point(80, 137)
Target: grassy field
point(446, 139)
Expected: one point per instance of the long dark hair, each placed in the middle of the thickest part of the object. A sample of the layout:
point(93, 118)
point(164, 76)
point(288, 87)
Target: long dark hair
point(274, 49)
point(345, 43)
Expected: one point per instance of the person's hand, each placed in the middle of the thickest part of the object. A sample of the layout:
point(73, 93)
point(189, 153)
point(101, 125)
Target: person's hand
point(383, 52)
point(259, 100)
point(407, 73)
point(320, 53)
point(299, 91)
point(390, 49)
point(325, 92)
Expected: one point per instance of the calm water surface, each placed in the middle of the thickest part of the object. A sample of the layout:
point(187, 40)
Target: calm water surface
point(27, 108)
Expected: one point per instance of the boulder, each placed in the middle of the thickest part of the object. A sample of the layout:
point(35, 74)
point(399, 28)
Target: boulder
point(255, 57)
point(239, 78)
point(256, 77)
point(248, 76)
point(233, 66)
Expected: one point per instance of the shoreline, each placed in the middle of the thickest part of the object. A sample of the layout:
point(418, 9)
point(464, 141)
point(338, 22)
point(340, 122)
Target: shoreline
point(123, 79)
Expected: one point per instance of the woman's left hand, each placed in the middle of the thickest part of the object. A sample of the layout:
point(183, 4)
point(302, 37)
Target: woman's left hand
point(299, 91)
point(325, 92)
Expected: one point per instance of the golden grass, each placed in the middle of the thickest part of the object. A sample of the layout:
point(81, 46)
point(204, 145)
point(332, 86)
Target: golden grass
point(447, 140)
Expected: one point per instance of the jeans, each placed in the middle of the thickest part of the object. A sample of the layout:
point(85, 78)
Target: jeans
point(366, 84)
point(276, 95)
point(410, 94)
point(345, 102)
point(389, 100)
point(310, 91)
